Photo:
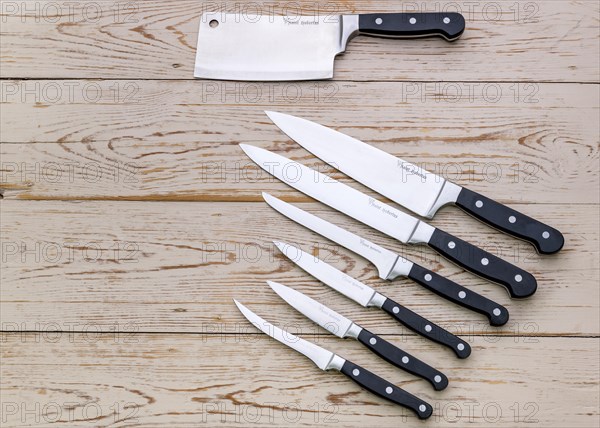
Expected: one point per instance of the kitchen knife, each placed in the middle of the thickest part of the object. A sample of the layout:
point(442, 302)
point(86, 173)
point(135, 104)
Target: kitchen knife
point(327, 360)
point(410, 186)
point(367, 296)
point(267, 47)
point(391, 265)
point(342, 327)
point(393, 222)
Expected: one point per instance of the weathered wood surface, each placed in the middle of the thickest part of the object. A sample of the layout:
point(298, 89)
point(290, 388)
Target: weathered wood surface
point(175, 380)
point(504, 41)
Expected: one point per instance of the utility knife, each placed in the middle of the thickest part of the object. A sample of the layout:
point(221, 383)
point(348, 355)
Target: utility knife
point(392, 221)
point(327, 360)
point(342, 327)
point(415, 188)
point(366, 296)
point(391, 265)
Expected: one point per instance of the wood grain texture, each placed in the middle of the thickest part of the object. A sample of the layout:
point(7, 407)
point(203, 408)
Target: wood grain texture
point(180, 380)
point(516, 41)
point(176, 267)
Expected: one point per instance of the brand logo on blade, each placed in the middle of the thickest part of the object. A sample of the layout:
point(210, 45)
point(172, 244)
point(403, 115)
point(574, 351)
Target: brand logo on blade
point(369, 246)
point(295, 21)
point(412, 170)
point(329, 314)
point(378, 205)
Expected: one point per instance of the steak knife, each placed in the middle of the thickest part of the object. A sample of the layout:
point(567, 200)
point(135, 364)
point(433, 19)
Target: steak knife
point(367, 296)
point(393, 222)
point(342, 327)
point(391, 265)
point(268, 47)
point(327, 360)
point(410, 186)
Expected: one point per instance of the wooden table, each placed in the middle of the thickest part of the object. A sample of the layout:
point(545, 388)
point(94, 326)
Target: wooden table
point(131, 218)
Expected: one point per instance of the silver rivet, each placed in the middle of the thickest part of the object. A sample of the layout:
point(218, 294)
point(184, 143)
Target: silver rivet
point(372, 341)
point(478, 204)
point(422, 408)
point(512, 219)
point(518, 278)
point(428, 277)
point(396, 309)
point(485, 261)
point(451, 245)
point(462, 294)
point(355, 372)
point(496, 311)
point(437, 378)
point(460, 347)
point(405, 359)
point(427, 328)
point(389, 390)
point(413, 20)
point(446, 20)
point(379, 21)
point(546, 235)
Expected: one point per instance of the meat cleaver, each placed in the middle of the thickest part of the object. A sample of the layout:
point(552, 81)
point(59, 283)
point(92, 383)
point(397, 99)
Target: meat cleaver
point(266, 47)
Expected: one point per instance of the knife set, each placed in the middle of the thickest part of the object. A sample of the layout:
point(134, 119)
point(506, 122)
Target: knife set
point(417, 190)
point(255, 47)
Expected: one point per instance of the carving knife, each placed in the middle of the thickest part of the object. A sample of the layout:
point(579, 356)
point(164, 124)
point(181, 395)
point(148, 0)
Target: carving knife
point(410, 186)
point(267, 47)
point(391, 265)
point(367, 296)
point(327, 360)
point(342, 327)
point(392, 221)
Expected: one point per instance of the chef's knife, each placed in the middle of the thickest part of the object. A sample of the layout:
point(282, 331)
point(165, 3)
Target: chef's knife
point(410, 186)
point(367, 296)
point(342, 327)
point(327, 360)
point(393, 222)
point(391, 265)
point(267, 47)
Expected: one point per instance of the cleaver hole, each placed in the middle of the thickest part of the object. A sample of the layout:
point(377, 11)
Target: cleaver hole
point(214, 23)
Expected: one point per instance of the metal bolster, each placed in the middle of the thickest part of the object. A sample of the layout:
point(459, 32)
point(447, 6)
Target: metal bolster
point(421, 234)
point(353, 331)
point(336, 363)
point(377, 300)
point(349, 29)
point(401, 267)
point(448, 195)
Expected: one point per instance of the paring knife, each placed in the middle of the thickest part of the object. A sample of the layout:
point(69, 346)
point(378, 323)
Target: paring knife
point(342, 327)
point(393, 222)
point(367, 296)
point(267, 47)
point(327, 360)
point(410, 186)
point(391, 265)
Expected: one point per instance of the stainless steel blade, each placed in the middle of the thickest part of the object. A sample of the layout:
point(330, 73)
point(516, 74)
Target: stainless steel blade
point(344, 198)
point(389, 264)
point(323, 358)
point(329, 319)
point(266, 47)
point(403, 182)
point(336, 279)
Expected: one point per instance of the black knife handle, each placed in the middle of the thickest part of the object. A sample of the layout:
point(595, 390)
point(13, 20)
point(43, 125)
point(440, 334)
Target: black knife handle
point(546, 239)
point(403, 360)
point(426, 328)
point(383, 388)
point(518, 282)
point(450, 25)
point(497, 314)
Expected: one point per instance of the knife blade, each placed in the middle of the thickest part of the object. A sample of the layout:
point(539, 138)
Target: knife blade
point(266, 47)
point(366, 296)
point(413, 187)
point(393, 222)
point(342, 327)
point(391, 265)
point(327, 360)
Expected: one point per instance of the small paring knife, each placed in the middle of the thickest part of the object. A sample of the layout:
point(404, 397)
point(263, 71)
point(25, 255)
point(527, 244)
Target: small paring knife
point(268, 47)
point(343, 327)
point(367, 296)
point(327, 360)
point(391, 265)
point(412, 187)
point(393, 222)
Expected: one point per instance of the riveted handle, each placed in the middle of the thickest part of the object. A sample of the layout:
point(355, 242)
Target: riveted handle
point(450, 26)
